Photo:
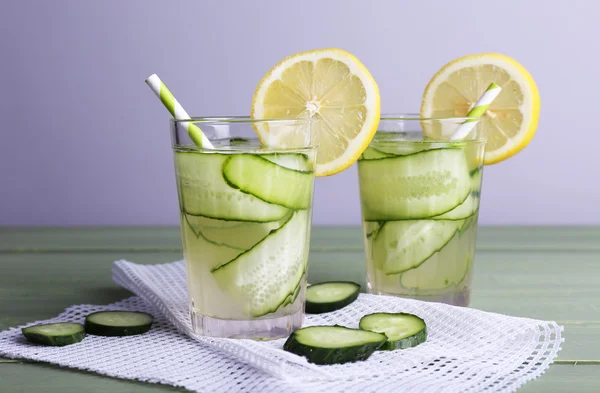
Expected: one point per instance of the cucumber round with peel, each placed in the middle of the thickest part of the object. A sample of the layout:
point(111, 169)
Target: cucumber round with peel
point(402, 330)
point(263, 277)
point(333, 344)
point(55, 334)
point(330, 296)
point(118, 323)
point(403, 245)
point(268, 181)
point(204, 192)
point(414, 186)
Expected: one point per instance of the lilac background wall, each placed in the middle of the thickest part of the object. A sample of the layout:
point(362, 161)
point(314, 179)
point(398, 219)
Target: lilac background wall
point(84, 141)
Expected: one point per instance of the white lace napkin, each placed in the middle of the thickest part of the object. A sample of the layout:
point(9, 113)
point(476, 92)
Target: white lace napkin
point(466, 351)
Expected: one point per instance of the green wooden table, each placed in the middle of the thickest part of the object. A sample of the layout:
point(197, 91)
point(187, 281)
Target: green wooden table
point(539, 272)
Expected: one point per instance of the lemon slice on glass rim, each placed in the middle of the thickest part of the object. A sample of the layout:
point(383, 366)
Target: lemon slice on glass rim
point(332, 87)
point(509, 122)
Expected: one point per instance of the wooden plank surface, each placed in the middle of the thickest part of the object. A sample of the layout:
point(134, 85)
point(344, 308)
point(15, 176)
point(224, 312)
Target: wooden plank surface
point(545, 273)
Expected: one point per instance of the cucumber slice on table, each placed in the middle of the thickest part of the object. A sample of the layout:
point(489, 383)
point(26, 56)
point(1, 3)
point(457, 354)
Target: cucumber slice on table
point(118, 323)
point(55, 334)
point(330, 296)
point(263, 277)
point(270, 182)
point(333, 344)
point(403, 245)
point(204, 191)
point(420, 185)
point(402, 330)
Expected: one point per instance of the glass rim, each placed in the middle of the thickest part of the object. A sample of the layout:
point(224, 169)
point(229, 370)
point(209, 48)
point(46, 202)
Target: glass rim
point(238, 119)
point(383, 116)
point(417, 117)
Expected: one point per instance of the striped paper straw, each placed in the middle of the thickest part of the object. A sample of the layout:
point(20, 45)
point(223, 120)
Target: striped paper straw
point(478, 110)
point(173, 106)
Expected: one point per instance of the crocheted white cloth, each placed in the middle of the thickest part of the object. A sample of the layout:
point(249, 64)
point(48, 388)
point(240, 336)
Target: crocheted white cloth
point(466, 351)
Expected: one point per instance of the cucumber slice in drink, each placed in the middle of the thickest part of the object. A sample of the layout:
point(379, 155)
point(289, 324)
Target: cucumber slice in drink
point(462, 211)
point(402, 330)
point(403, 245)
point(333, 344)
point(420, 185)
point(294, 161)
point(330, 296)
point(372, 153)
point(240, 235)
point(292, 297)
point(443, 269)
point(470, 205)
point(371, 228)
point(118, 323)
point(263, 277)
point(217, 253)
point(55, 334)
point(268, 181)
point(204, 191)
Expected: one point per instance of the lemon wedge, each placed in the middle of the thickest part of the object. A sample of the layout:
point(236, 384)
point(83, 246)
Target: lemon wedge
point(509, 122)
point(332, 87)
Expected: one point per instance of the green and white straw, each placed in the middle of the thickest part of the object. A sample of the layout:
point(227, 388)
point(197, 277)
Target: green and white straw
point(173, 106)
point(478, 110)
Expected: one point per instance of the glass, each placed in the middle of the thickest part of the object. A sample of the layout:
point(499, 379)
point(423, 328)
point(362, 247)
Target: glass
point(245, 224)
point(420, 202)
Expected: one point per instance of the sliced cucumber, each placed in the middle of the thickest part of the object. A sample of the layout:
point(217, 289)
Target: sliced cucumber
point(476, 179)
point(118, 323)
point(268, 181)
point(241, 235)
point(263, 277)
point(295, 161)
point(462, 211)
point(292, 297)
point(372, 153)
point(470, 205)
point(204, 191)
point(55, 334)
point(420, 185)
point(443, 269)
point(214, 253)
point(333, 344)
point(371, 228)
point(403, 245)
point(330, 296)
point(402, 330)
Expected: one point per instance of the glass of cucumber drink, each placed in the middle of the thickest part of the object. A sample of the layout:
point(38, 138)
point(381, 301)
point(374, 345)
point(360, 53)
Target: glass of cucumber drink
point(420, 202)
point(245, 223)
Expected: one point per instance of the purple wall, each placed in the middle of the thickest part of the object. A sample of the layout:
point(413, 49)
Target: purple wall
point(85, 142)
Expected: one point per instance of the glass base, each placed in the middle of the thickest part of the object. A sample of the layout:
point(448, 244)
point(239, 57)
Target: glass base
point(257, 329)
point(456, 298)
